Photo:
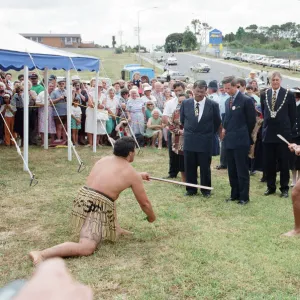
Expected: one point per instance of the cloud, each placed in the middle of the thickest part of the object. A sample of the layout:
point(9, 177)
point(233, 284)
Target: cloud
point(99, 20)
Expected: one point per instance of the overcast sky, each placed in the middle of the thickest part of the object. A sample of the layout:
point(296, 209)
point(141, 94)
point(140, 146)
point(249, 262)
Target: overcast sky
point(98, 20)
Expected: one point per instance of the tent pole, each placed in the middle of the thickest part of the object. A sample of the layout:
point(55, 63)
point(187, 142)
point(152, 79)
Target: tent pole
point(26, 113)
point(46, 109)
point(69, 104)
point(95, 114)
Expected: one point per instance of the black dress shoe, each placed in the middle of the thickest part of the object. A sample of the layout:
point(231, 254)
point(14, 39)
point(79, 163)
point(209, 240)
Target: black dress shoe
point(231, 199)
point(243, 202)
point(187, 194)
point(284, 194)
point(220, 167)
point(206, 195)
point(269, 192)
point(170, 177)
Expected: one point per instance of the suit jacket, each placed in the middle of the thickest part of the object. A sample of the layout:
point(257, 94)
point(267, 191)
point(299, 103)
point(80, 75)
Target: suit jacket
point(198, 136)
point(296, 128)
point(285, 119)
point(239, 122)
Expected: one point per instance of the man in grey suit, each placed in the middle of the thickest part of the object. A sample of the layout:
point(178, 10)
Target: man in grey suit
point(201, 120)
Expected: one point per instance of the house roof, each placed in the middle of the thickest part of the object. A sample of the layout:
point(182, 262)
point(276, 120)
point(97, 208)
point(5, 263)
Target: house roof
point(59, 35)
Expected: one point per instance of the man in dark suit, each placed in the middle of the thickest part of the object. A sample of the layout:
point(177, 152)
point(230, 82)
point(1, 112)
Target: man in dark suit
point(279, 111)
point(238, 124)
point(201, 120)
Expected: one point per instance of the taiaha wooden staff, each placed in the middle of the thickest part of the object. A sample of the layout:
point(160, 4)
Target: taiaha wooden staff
point(283, 139)
point(183, 183)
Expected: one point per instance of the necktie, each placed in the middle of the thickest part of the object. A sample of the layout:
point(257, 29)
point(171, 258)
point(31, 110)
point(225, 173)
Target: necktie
point(273, 100)
point(230, 102)
point(197, 110)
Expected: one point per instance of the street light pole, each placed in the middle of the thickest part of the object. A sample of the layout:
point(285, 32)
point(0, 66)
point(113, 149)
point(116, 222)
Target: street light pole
point(138, 28)
point(139, 44)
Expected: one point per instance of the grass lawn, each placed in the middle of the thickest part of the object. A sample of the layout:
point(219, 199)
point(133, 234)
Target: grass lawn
point(197, 249)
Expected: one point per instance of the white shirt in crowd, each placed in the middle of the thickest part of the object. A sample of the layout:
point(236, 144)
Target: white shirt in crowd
point(76, 111)
point(8, 113)
point(41, 98)
point(112, 104)
point(170, 107)
point(201, 108)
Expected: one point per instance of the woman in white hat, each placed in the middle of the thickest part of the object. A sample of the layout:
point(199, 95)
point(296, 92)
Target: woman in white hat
point(147, 95)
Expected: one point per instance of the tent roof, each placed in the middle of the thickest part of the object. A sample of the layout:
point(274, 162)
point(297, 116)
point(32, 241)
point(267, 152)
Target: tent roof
point(16, 52)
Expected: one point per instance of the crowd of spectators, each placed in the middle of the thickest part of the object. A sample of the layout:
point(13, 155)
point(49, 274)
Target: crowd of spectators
point(124, 108)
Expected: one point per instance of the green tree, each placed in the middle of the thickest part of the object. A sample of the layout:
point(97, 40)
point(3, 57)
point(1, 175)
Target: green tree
point(229, 37)
point(196, 24)
point(252, 29)
point(189, 40)
point(274, 32)
point(173, 42)
point(240, 34)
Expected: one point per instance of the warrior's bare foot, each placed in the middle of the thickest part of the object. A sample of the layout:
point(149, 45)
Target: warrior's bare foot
point(292, 233)
point(36, 257)
point(122, 231)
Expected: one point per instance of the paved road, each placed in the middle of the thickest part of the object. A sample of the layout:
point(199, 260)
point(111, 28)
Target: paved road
point(219, 69)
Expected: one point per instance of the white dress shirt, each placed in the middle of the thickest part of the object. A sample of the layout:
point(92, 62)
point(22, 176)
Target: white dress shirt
point(170, 107)
point(201, 108)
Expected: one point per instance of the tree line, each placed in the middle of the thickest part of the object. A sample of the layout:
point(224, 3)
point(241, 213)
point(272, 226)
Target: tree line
point(277, 37)
point(189, 39)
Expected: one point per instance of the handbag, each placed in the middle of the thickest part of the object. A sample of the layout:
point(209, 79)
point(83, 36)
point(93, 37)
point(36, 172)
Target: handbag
point(102, 115)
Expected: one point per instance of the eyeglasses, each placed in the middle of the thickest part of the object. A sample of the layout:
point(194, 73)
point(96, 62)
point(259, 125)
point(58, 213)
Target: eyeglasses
point(149, 104)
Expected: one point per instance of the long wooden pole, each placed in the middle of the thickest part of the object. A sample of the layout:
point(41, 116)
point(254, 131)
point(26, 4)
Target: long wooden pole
point(182, 183)
point(283, 139)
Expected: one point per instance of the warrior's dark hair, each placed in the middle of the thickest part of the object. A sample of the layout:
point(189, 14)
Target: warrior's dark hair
point(124, 146)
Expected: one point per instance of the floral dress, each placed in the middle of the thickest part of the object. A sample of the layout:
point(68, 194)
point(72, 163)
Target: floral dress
point(136, 110)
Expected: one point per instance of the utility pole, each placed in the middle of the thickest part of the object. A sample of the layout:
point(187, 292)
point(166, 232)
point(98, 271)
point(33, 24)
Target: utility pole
point(121, 35)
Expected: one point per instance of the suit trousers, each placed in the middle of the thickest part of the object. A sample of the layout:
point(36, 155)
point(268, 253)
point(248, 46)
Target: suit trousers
point(276, 153)
point(173, 160)
point(191, 161)
point(238, 171)
point(223, 158)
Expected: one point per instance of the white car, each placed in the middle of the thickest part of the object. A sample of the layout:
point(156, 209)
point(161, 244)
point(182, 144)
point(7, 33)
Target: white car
point(200, 67)
point(227, 55)
point(172, 60)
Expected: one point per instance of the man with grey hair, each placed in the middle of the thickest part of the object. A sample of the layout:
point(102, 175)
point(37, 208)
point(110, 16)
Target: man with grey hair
point(279, 110)
point(239, 121)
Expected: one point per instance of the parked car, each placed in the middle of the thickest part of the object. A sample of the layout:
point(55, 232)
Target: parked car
point(227, 55)
point(283, 63)
point(174, 75)
point(161, 59)
point(172, 60)
point(200, 67)
point(259, 59)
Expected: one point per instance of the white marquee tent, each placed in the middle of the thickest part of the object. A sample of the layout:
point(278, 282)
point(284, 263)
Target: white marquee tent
point(18, 53)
